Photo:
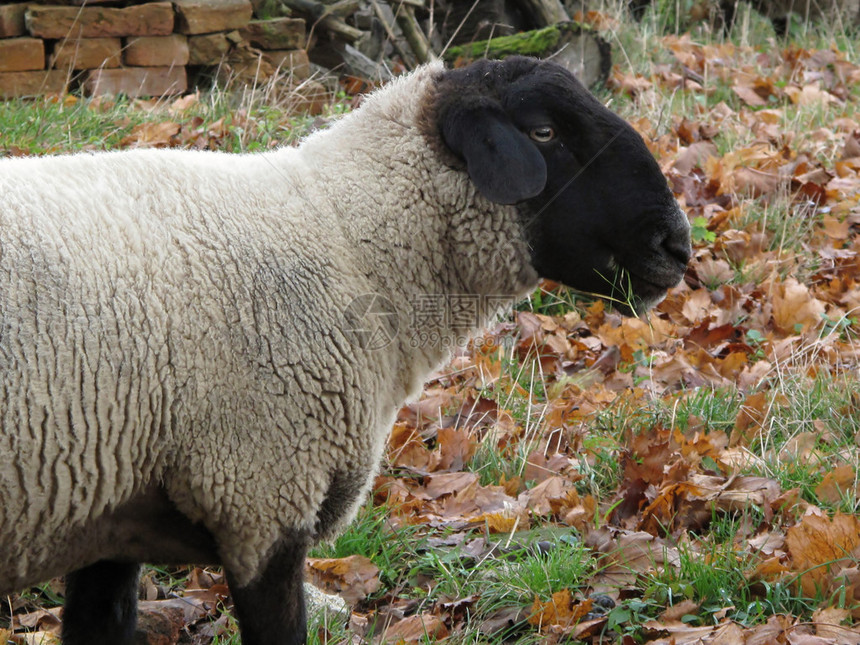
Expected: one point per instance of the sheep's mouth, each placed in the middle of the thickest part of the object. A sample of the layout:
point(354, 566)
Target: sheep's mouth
point(635, 284)
point(631, 287)
point(638, 289)
point(645, 295)
point(642, 279)
point(631, 295)
point(630, 269)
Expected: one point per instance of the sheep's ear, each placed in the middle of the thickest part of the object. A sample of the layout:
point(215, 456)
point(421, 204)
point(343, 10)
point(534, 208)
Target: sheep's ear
point(503, 162)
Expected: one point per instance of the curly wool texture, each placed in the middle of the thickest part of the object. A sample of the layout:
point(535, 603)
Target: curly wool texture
point(175, 319)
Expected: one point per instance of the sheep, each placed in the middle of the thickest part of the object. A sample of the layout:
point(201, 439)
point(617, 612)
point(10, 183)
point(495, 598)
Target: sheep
point(188, 366)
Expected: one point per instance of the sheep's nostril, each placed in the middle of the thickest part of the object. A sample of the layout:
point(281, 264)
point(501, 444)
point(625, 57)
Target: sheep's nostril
point(677, 245)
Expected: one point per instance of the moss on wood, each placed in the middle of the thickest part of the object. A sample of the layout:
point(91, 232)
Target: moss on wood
point(527, 43)
point(576, 46)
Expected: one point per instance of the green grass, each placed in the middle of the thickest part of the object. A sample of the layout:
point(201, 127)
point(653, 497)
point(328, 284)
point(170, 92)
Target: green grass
point(551, 302)
point(218, 120)
point(520, 385)
point(716, 574)
point(48, 126)
point(706, 409)
point(511, 571)
point(371, 536)
point(521, 568)
point(823, 409)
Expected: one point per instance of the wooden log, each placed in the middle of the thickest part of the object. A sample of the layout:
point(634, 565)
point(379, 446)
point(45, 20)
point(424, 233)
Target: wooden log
point(465, 21)
point(338, 27)
point(414, 35)
point(389, 31)
point(266, 9)
point(329, 17)
point(342, 8)
point(363, 67)
point(577, 47)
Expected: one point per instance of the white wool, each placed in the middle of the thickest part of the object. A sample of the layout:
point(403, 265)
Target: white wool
point(177, 317)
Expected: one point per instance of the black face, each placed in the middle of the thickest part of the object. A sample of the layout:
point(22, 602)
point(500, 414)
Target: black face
point(597, 210)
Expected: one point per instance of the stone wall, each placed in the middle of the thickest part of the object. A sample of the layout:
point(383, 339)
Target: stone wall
point(141, 48)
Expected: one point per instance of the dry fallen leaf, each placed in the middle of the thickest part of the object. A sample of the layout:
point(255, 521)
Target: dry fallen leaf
point(416, 629)
point(695, 156)
point(44, 620)
point(35, 638)
point(838, 483)
point(443, 484)
point(818, 547)
point(677, 611)
point(352, 578)
point(834, 623)
point(809, 95)
point(562, 609)
point(152, 134)
point(750, 419)
point(795, 309)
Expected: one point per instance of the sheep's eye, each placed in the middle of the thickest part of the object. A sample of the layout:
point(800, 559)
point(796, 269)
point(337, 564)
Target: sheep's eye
point(542, 134)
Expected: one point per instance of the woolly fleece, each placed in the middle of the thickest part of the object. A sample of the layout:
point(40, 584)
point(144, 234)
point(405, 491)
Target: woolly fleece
point(175, 319)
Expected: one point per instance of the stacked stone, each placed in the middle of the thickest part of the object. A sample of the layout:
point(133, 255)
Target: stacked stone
point(138, 50)
point(280, 39)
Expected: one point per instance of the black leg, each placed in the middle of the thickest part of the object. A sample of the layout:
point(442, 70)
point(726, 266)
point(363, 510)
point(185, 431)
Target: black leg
point(340, 496)
point(271, 609)
point(101, 604)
